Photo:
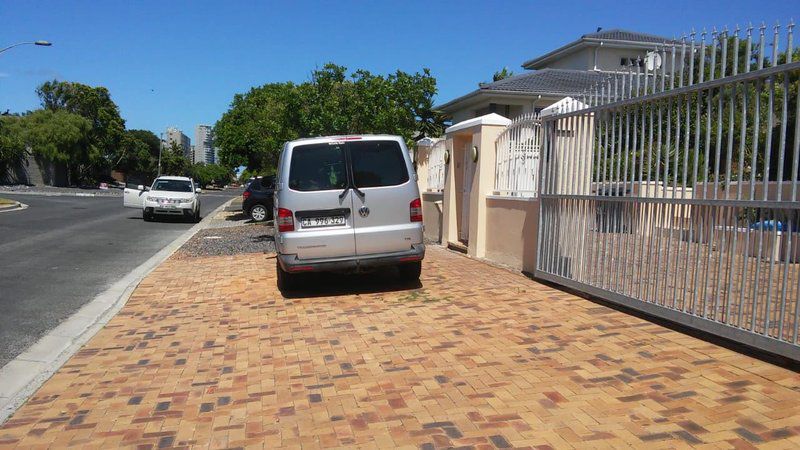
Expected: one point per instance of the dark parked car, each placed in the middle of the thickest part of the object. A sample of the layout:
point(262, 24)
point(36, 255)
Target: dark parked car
point(257, 198)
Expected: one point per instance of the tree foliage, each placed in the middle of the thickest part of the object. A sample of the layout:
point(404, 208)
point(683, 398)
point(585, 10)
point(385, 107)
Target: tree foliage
point(716, 123)
point(139, 153)
point(107, 128)
point(173, 162)
point(502, 74)
point(207, 174)
point(12, 147)
point(331, 102)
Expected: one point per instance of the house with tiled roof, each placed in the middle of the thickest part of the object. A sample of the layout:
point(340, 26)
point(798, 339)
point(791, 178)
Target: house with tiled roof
point(566, 71)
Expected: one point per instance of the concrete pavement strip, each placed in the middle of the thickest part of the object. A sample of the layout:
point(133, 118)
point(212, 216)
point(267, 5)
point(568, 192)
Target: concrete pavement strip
point(23, 375)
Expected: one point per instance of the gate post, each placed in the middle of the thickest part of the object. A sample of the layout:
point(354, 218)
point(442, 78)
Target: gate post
point(474, 136)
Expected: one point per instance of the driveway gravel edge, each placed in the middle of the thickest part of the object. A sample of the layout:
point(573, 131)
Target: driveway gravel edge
point(23, 375)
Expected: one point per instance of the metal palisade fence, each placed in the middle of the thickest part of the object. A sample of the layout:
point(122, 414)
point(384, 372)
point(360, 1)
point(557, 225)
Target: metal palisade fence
point(517, 164)
point(673, 188)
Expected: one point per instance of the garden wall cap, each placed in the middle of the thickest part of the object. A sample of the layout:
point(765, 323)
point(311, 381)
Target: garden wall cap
point(488, 119)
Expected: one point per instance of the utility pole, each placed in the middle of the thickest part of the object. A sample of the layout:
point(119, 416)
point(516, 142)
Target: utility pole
point(160, 147)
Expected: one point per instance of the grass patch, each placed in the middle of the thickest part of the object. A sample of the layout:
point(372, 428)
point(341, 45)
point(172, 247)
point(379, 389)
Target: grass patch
point(420, 295)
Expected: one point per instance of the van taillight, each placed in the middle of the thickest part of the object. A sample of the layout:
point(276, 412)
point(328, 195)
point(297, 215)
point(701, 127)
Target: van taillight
point(416, 210)
point(285, 221)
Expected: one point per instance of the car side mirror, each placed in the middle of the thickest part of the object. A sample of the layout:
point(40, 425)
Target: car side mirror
point(140, 187)
point(198, 190)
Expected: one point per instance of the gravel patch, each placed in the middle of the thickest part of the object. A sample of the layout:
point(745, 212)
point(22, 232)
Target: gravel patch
point(230, 240)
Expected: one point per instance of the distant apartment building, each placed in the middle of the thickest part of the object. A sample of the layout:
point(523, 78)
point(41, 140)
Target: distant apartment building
point(204, 145)
point(175, 135)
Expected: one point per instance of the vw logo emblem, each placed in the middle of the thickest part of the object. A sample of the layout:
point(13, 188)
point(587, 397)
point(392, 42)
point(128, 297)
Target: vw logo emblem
point(363, 211)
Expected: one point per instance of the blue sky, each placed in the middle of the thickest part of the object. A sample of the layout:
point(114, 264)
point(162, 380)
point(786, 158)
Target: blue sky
point(180, 63)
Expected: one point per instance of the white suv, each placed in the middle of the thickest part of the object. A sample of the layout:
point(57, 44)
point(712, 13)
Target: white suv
point(347, 203)
point(168, 196)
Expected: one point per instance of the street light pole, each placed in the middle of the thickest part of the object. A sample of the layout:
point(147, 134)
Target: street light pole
point(160, 146)
point(39, 43)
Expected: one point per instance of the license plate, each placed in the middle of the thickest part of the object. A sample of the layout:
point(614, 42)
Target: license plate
point(314, 222)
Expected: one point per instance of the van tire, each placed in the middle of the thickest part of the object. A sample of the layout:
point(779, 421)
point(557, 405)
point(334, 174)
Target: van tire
point(147, 217)
point(286, 281)
point(410, 271)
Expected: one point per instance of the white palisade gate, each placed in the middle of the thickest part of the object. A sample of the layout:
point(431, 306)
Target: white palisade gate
point(673, 188)
point(517, 166)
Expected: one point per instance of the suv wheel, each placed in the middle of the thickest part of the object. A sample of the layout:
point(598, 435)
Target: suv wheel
point(286, 281)
point(196, 217)
point(410, 271)
point(146, 216)
point(258, 213)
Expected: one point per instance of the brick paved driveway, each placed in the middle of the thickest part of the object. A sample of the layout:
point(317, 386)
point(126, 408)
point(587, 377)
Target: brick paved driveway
point(207, 352)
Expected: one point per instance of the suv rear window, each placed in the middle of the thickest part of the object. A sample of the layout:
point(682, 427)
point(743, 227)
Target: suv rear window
point(378, 163)
point(317, 167)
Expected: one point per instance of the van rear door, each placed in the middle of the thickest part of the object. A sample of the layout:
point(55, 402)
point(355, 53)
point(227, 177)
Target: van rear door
point(383, 176)
point(321, 203)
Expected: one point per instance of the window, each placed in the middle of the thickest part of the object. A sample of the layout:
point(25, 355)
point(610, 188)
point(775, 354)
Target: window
point(263, 184)
point(317, 167)
point(378, 163)
point(173, 185)
point(635, 61)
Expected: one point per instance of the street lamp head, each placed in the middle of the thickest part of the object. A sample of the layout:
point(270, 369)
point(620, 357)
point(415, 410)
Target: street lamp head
point(43, 43)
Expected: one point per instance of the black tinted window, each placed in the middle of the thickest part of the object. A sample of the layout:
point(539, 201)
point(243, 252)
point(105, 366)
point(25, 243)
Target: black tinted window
point(378, 163)
point(172, 185)
point(317, 167)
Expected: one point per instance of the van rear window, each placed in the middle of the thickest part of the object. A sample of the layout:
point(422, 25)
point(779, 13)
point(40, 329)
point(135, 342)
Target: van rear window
point(378, 163)
point(317, 167)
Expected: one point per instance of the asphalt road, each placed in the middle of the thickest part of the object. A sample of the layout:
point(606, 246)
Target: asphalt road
point(63, 251)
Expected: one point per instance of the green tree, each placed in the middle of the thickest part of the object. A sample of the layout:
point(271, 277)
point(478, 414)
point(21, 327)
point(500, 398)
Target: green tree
point(206, 174)
point(95, 105)
point(12, 146)
point(252, 131)
point(62, 137)
point(332, 102)
point(502, 74)
point(173, 162)
point(139, 154)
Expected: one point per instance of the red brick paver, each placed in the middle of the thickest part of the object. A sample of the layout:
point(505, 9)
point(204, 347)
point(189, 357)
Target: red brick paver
point(208, 353)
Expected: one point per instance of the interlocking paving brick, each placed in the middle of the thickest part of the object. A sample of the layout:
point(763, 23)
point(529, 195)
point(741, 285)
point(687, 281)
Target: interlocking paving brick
point(210, 354)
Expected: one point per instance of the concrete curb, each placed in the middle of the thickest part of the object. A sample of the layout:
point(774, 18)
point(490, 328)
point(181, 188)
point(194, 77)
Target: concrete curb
point(62, 194)
point(25, 374)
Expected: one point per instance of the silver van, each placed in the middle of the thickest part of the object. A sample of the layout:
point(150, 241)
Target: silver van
point(347, 203)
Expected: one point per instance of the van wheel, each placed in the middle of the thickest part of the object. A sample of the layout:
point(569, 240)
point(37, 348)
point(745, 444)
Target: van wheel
point(147, 217)
point(286, 281)
point(410, 271)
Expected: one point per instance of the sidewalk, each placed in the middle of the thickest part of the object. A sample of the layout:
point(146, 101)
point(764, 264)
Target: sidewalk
point(207, 352)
